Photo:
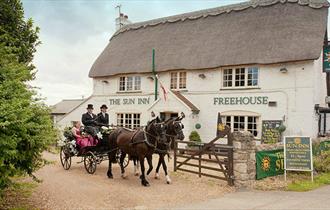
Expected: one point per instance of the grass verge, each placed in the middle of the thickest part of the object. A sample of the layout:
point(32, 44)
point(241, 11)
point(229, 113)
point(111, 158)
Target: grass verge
point(306, 185)
point(17, 195)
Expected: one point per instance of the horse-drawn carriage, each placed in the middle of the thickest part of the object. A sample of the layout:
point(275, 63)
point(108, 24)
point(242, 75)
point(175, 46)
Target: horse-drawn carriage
point(91, 155)
point(139, 144)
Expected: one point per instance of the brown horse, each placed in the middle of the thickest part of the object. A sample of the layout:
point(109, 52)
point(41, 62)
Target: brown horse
point(173, 132)
point(140, 144)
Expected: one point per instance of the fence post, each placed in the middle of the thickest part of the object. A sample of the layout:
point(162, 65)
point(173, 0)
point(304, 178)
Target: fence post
point(244, 163)
point(175, 151)
point(200, 166)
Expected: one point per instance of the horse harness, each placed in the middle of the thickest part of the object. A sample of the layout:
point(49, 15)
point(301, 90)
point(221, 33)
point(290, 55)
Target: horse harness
point(145, 140)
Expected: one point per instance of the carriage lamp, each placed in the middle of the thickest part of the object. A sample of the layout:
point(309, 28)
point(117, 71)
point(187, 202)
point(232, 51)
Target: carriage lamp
point(150, 78)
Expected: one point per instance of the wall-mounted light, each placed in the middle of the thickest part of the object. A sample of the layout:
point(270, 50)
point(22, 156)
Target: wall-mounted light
point(202, 76)
point(150, 78)
point(105, 81)
point(283, 70)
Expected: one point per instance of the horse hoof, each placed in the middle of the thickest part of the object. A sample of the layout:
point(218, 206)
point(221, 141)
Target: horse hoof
point(156, 176)
point(123, 176)
point(110, 176)
point(168, 180)
point(137, 174)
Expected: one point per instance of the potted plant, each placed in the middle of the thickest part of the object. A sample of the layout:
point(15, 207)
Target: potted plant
point(195, 140)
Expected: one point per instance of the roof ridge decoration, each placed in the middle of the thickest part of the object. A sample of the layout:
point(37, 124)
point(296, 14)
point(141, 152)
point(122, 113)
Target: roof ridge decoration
point(315, 4)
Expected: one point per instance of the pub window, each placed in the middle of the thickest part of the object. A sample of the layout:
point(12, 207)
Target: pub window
point(128, 120)
point(130, 83)
point(242, 123)
point(240, 77)
point(178, 80)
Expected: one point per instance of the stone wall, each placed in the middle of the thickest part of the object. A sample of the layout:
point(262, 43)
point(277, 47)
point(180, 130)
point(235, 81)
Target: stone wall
point(244, 159)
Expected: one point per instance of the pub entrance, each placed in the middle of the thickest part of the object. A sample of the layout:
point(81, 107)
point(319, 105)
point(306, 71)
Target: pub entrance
point(167, 115)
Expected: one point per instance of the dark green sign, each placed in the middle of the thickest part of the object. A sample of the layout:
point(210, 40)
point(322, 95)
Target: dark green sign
point(270, 163)
point(298, 153)
point(326, 59)
point(270, 131)
point(324, 146)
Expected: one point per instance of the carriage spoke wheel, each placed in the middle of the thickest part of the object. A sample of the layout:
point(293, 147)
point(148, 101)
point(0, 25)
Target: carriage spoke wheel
point(126, 161)
point(90, 163)
point(65, 158)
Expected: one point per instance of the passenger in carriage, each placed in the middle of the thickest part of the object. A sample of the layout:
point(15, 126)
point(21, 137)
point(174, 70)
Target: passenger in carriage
point(82, 141)
point(103, 116)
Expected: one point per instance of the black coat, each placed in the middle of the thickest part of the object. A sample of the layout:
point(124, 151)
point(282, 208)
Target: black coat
point(102, 121)
point(88, 120)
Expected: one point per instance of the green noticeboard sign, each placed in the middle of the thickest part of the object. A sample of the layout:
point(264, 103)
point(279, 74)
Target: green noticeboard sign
point(270, 131)
point(326, 59)
point(298, 154)
point(270, 163)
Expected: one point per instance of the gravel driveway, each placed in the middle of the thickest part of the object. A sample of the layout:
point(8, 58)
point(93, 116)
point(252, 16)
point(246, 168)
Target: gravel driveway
point(75, 189)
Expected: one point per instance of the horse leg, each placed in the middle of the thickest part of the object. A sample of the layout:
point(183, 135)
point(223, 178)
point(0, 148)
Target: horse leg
point(168, 179)
point(109, 173)
point(122, 157)
point(158, 166)
point(144, 182)
point(149, 159)
point(136, 166)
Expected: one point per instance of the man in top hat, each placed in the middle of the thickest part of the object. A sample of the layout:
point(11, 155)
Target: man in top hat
point(89, 119)
point(103, 116)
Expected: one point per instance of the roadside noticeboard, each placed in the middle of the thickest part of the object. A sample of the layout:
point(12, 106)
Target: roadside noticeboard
point(270, 131)
point(298, 154)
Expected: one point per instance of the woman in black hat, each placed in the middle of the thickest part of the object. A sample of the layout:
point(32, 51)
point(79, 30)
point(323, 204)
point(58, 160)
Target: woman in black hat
point(103, 116)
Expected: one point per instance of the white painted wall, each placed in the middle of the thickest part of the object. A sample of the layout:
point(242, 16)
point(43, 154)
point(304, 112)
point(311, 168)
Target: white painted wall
point(296, 92)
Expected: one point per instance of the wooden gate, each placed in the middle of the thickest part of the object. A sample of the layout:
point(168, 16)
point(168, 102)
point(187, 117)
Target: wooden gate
point(216, 160)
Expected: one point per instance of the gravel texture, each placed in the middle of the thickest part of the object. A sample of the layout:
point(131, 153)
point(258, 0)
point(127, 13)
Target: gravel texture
point(76, 189)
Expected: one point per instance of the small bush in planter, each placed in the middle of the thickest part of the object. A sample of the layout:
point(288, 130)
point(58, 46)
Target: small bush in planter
point(195, 139)
point(322, 162)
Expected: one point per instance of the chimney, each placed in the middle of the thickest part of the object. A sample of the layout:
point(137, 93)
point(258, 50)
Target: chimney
point(121, 21)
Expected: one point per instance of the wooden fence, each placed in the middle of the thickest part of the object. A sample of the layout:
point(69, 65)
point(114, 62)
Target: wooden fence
point(216, 160)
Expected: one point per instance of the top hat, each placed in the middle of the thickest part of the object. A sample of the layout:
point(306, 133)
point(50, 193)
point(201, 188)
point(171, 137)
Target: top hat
point(90, 106)
point(103, 106)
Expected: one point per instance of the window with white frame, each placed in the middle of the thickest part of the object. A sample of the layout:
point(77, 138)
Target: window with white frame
point(179, 80)
point(130, 83)
point(240, 77)
point(128, 120)
point(242, 123)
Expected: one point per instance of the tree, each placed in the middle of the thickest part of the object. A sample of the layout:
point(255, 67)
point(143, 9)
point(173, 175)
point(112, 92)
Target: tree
point(26, 127)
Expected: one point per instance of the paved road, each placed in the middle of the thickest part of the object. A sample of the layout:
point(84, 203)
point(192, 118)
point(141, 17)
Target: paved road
point(257, 200)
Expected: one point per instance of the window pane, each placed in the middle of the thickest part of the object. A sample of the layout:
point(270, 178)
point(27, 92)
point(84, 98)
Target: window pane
point(182, 80)
point(122, 83)
point(137, 83)
point(129, 83)
point(120, 120)
point(174, 80)
point(227, 77)
point(253, 76)
point(240, 77)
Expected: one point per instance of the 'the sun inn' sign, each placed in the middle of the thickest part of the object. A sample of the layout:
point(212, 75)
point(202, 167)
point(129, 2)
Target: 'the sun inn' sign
point(129, 101)
point(240, 100)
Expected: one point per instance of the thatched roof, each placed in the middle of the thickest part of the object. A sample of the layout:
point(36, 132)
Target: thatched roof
point(254, 32)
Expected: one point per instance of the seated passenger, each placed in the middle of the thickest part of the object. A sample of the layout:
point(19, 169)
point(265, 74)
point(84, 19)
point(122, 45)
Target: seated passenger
point(81, 140)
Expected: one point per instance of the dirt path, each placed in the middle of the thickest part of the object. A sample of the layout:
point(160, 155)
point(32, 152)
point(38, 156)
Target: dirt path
point(75, 189)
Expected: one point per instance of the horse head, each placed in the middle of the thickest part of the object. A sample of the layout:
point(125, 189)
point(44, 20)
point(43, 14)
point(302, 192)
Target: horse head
point(174, 128)
point(157, 129)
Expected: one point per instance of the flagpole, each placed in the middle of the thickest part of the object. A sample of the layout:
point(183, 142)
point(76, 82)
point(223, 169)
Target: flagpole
point(154, 72)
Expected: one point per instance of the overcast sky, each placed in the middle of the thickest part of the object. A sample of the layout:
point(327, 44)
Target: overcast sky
point(74, 32)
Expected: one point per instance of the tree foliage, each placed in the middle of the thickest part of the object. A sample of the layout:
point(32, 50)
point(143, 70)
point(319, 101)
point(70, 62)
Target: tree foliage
point(25, 124)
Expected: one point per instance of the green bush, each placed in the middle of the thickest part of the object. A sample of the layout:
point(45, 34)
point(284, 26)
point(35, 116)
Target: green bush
point(322, 162)
point(195, 138)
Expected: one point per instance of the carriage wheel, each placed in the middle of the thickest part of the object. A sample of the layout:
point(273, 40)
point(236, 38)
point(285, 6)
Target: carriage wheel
point(65, 158)
point(90, 163)
point(126, 160)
